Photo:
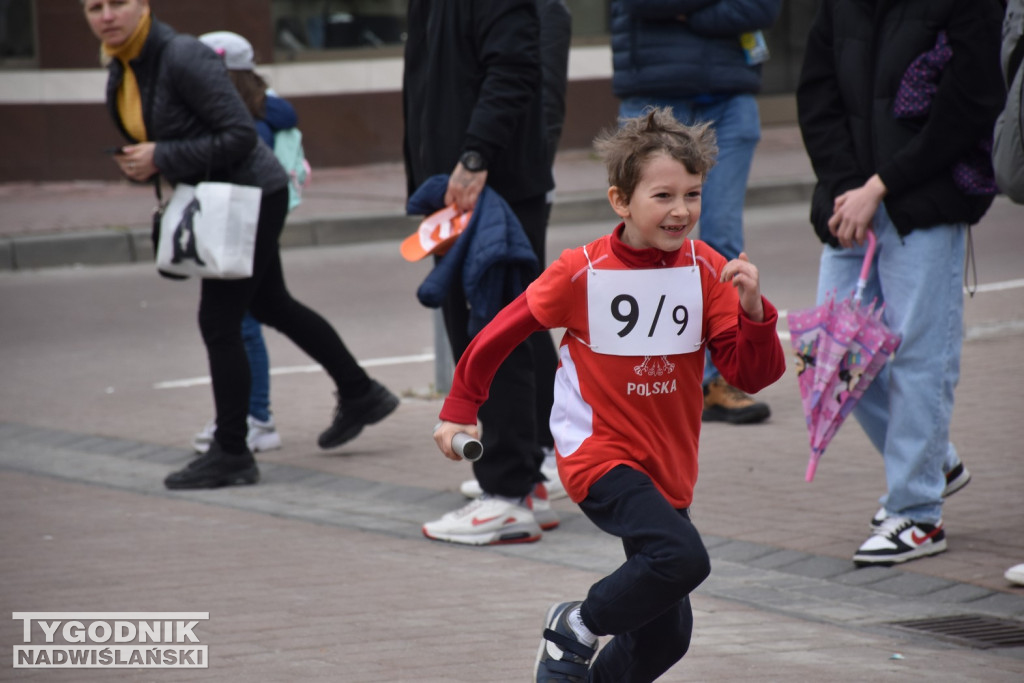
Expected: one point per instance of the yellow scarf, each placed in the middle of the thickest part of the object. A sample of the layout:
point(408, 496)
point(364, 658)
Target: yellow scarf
point(129, 101)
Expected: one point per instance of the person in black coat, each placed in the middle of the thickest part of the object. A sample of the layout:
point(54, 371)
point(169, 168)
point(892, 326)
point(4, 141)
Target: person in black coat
point(896, 103)
point(473, 111)
point(171, 98)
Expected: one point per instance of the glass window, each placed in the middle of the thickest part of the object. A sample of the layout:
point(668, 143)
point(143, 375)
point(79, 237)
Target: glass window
point(304, 29)
point(17, 33)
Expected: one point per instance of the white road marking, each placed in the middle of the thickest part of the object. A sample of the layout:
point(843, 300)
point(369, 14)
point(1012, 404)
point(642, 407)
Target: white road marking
point(972, 333)
point(299, 369)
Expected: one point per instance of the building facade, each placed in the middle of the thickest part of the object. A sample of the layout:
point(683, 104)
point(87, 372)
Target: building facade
point(338, 61)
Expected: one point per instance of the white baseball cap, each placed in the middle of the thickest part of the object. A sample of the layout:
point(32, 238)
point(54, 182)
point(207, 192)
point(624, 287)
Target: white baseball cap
point(236, 50)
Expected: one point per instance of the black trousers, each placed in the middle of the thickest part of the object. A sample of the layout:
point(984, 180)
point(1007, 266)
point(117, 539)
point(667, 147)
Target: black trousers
point(644, 603)
point(222, 305)
point(516, 414)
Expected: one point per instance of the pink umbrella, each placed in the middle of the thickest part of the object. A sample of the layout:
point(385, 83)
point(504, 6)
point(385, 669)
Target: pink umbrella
point(869, 352)
point(847, 345)
point(806, 328)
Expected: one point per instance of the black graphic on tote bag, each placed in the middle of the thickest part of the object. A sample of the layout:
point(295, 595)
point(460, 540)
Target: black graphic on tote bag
point(184, 239)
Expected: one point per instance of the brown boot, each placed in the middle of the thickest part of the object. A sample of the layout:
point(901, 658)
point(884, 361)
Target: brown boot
point(726, 403)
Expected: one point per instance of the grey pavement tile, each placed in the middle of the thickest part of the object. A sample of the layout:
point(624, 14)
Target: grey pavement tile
point(739, 551)
point(121, 447)
point(911, 584)
point(10, 430)
point(999, 603)
point(156, 453)
point(93, 444)
point(779, 559)
point(867, 576)
point(711, 542)
point(819, 567)
point(961, 593)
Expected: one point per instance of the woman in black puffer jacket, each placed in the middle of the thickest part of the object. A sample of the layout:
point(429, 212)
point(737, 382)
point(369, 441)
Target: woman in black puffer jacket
point(171, 97)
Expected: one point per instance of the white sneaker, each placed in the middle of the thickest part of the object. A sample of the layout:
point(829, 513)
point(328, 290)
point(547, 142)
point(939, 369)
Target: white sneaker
point(261, 436)
point(471, 489)
point(539, 501)
point(549, 468)
point(202, 440)
point(899, 539)
point(485, 521)
point(1015, 574)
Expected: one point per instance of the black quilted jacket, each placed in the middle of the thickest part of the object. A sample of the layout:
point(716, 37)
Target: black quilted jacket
point(193, 113)
point(857, 53)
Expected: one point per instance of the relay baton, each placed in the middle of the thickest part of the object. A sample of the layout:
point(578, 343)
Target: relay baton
point(466, 446)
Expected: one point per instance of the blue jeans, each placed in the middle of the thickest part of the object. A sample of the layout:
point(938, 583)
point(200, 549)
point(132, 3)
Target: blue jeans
point(907, 409)
point(737, 124)
point(259, 367)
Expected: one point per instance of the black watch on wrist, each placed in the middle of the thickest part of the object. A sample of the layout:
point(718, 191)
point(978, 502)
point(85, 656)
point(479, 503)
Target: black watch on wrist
point(473, 161)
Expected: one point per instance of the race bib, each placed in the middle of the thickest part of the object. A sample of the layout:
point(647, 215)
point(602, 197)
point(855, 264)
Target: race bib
point(656, 312)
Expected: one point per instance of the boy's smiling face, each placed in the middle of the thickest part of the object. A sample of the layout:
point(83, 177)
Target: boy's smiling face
point(664, 207)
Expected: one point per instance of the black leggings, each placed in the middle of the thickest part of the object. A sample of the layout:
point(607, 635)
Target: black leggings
point(222, 305)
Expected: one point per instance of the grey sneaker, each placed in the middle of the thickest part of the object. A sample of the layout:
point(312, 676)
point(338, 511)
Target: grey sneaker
point(261, 436)
point(562, 655)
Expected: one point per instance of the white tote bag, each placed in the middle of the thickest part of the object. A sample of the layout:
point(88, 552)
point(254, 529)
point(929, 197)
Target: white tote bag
point(209, 230)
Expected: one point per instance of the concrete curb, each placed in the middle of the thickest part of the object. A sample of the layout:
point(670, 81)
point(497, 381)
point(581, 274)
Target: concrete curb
point(133, 245)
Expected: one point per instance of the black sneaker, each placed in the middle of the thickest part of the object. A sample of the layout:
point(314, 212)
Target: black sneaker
point(562, 655)
point(352, 415)
point(899, 539)
point(214, 469)
point(956, 479)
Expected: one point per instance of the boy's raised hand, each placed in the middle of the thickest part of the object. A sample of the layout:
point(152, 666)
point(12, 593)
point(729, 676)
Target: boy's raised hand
point(743, 275)
point(444, 432)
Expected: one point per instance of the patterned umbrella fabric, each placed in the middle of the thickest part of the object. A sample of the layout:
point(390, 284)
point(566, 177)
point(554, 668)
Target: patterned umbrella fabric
point(840, 349)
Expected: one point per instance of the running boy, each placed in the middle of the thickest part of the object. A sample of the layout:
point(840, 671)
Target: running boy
point(639, 306)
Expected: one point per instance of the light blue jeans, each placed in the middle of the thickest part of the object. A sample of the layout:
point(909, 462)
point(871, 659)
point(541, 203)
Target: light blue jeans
point(737, 124)
point(907, 409)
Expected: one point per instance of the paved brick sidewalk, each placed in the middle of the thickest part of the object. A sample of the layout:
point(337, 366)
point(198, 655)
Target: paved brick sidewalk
point(320, 572)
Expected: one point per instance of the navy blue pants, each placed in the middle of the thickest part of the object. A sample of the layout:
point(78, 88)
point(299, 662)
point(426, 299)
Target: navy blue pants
point(644, 603)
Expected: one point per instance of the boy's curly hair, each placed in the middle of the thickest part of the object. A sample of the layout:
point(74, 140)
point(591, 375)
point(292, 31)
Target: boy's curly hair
point(626, 148)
